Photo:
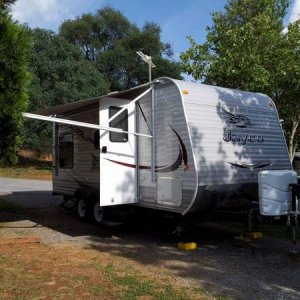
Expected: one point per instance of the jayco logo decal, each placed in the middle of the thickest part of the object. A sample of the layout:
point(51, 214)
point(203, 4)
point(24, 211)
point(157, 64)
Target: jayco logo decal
point(239, 137)
point(238, 120)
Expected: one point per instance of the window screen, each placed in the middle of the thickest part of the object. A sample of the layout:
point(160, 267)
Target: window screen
point(121, 122)
point(66, 151)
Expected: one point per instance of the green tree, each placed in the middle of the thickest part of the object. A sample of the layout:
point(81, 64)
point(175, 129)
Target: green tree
point(109, 40)
point(288, 85)
point(5, 4)
point(246, 48)
point(60, 74)
point(14, 79)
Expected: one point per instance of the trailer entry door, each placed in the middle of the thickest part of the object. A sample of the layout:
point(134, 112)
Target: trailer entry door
point(117, 159)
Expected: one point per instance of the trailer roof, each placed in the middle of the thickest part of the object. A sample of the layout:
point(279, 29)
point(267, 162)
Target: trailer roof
point(212, 92)
point(70, 107)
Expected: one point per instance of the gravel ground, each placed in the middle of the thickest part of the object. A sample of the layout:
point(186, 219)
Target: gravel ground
point(223, 264)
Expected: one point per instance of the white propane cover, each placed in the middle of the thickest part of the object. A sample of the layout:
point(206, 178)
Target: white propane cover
point(275, 196)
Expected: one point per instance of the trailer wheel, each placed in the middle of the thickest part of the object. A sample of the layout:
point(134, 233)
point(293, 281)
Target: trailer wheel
point(81, 208)
point(97, 213)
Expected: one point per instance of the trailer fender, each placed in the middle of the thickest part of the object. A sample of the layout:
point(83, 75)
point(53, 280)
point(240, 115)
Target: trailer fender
point(86, 192)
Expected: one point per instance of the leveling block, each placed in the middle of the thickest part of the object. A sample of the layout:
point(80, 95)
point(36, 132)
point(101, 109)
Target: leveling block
point(256, 235)
point(187, 246)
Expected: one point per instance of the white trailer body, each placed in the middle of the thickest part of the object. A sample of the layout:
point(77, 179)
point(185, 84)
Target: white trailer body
point(183, 147)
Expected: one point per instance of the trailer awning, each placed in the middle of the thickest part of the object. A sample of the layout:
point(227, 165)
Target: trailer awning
point(70, 107)
point(59, 114)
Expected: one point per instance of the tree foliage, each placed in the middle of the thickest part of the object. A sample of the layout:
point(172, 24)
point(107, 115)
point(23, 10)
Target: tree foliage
point(60, 74)
point(14, 79)
point(246, 48)
point(288, 85)
point(109, 40)
point(5, 4)
point(92, 55)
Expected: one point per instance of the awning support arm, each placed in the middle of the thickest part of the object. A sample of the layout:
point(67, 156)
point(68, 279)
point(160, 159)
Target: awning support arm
point(126, 106)
point(80, 124)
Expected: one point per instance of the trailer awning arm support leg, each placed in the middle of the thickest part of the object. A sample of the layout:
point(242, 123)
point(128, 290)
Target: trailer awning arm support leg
point(153, 156)
point(80, 124)
point(126, 106)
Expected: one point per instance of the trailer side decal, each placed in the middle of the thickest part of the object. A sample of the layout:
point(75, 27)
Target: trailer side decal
point(183, 149)
point(160, 169)
point(182, 157)
point(251, 166)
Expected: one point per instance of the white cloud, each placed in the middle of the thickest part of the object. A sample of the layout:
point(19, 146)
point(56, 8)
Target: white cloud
point(37, 13)
point(295, 13)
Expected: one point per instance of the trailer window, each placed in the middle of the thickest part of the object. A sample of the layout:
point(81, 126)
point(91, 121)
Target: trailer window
point(121, 122)
point(66, 151)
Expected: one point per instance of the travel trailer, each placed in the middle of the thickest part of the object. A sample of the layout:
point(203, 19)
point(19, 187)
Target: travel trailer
point(169, 145)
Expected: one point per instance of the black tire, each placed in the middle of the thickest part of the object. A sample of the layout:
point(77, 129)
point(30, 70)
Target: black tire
point(81, 209)
point(96, 212)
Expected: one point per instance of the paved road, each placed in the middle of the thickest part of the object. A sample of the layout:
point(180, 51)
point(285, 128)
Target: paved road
point(10, 185)
point(28, 193)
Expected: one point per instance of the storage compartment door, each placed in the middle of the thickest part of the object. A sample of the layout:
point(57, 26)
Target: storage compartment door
point(169, 191)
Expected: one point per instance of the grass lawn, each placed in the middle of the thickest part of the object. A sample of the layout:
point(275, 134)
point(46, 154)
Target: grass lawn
point(28, 168)
point(63, 272)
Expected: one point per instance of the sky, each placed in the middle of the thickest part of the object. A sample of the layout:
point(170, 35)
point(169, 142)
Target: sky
point(177, 18)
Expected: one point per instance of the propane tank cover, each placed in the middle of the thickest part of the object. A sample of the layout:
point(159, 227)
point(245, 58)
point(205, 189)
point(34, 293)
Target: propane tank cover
point(275, 195)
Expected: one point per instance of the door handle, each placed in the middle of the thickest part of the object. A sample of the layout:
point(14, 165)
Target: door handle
point(104, 149)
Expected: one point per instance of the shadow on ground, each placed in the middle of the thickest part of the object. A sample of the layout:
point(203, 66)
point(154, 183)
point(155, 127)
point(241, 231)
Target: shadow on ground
point(222, 264)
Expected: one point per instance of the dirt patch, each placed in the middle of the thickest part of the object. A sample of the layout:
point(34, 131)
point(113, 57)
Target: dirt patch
point(35, 155)
point(19, 240)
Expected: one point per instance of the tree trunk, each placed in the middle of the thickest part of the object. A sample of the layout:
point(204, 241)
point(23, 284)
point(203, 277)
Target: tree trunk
point(293, 138)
